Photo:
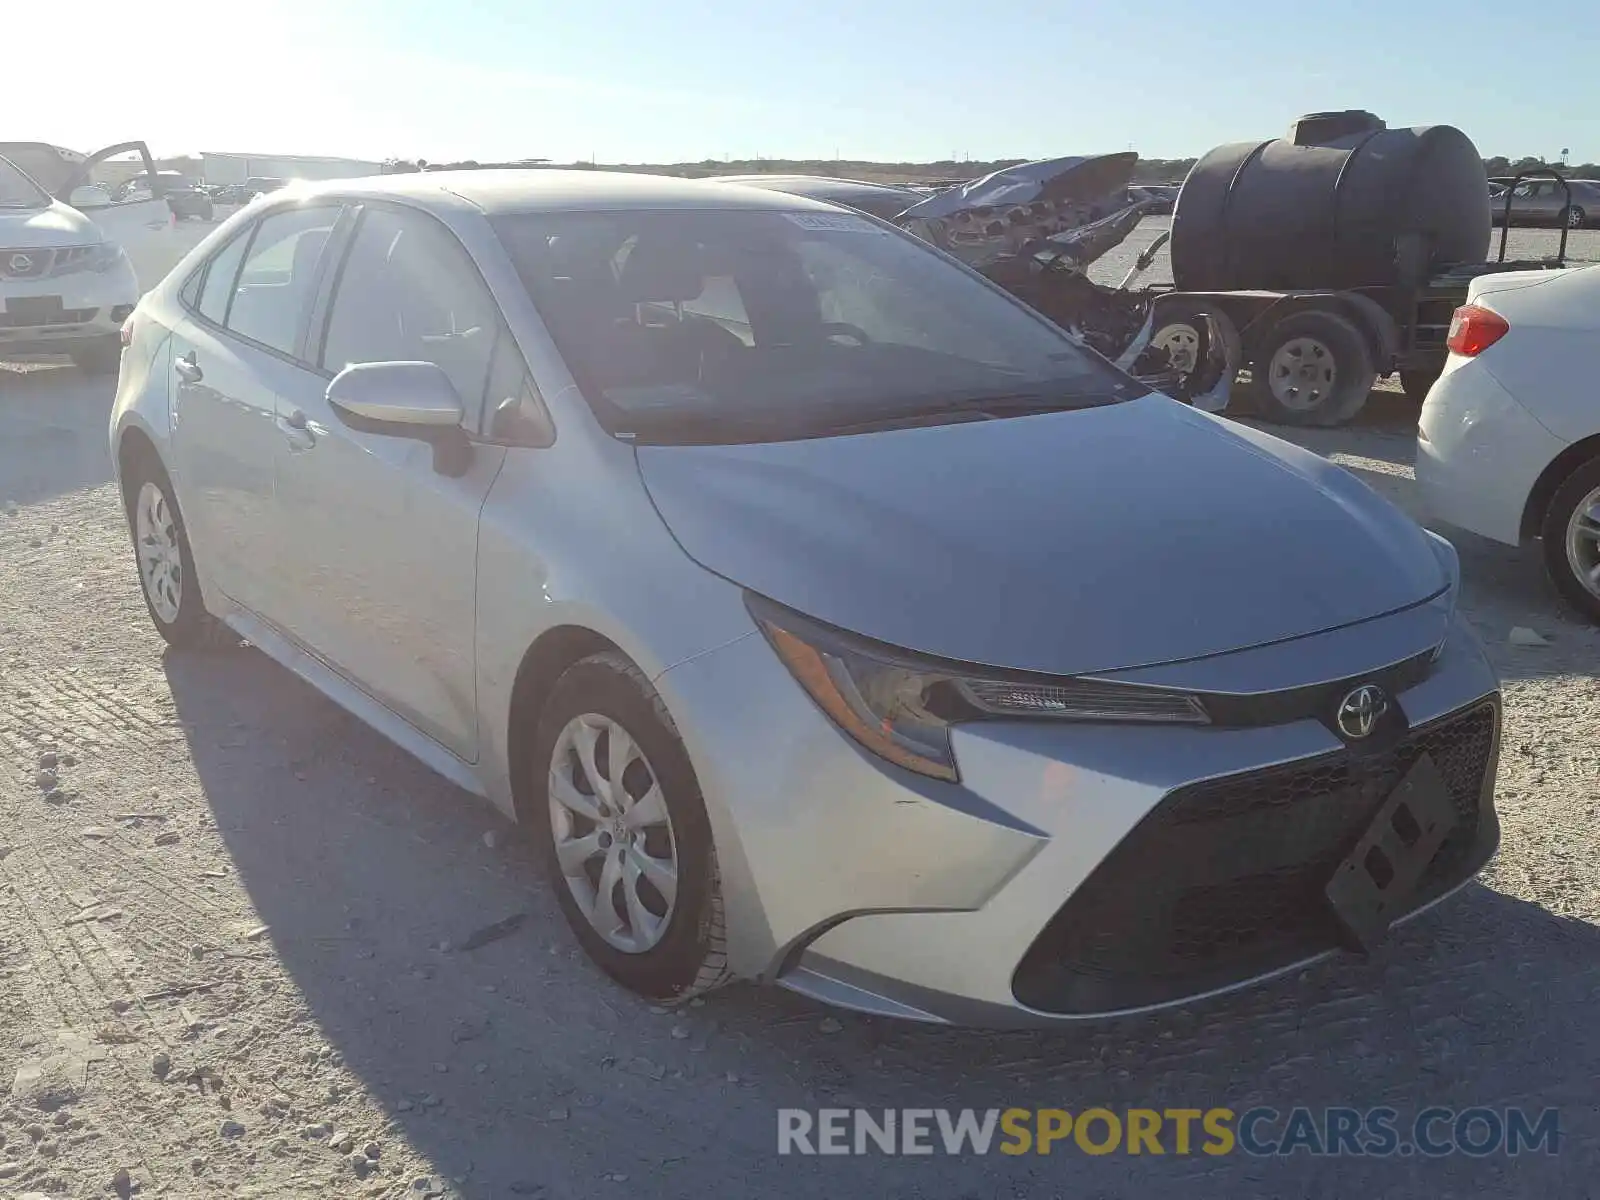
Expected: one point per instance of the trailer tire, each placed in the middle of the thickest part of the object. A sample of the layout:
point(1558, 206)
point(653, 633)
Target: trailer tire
point(1312, 368)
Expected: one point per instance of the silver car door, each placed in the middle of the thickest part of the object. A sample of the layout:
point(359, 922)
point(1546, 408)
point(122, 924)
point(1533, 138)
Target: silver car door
point(380, 560)
point(230, 361)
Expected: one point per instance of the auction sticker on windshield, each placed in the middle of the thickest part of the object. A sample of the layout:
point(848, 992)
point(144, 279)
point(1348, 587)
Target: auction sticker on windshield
point(844, 222)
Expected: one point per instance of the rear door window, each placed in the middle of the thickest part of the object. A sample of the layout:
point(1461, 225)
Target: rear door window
point(277, 280)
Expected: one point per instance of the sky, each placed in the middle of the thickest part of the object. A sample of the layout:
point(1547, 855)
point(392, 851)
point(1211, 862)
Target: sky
point(888, 80)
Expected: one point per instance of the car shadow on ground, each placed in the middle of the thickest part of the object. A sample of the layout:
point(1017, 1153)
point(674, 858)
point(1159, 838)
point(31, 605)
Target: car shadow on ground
point(520, 1069)
point(55, 420)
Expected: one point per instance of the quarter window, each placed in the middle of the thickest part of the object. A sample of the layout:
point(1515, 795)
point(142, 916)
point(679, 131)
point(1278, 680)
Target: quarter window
point(278, 277)
point(218, 287)
point(409, 293)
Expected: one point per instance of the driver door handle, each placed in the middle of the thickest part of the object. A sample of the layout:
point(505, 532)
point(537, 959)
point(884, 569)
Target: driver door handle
point(297, 430)
point(188, 369)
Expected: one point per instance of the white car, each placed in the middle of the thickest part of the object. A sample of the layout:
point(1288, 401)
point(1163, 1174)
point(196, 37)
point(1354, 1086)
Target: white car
point(1509, 440)
point(71, 256)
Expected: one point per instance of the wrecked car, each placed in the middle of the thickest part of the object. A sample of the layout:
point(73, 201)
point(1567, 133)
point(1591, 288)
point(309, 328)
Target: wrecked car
point(1035, 229)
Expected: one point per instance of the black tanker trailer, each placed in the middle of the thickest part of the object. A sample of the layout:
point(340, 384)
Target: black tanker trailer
point(1339, 253)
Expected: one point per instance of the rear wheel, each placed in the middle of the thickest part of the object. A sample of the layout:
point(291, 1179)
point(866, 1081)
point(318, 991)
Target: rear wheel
point(103, 356)
point(624, 833)
point(1574, 217)
point(1313, 368)
point(166, 563)
point(1571, 535)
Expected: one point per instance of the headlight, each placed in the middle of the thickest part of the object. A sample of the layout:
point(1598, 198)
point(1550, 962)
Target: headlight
point(1450, 562)
point(105, 256)
point(901, 707)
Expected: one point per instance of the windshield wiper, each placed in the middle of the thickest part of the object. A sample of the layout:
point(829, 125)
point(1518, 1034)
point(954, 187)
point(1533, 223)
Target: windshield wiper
point(706, 428)
point(974, 408)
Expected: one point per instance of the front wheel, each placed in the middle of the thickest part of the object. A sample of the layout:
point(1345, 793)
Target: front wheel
point(1312, 368)
point(1571, 534)
point(1574, 217)
point(166, 562)
point(624, 832)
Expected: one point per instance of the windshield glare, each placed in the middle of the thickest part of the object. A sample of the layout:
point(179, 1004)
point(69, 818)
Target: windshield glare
point(17, 190)
point(681, 324)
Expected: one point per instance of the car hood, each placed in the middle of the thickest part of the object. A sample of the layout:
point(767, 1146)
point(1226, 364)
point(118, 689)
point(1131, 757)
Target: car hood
point(58, 225)
point(1067, 543)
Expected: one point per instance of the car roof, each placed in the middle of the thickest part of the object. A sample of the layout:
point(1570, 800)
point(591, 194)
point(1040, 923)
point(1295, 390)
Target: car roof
point(499, 192)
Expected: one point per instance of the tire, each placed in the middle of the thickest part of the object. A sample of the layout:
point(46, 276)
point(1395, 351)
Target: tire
point(683, 954)
point(1574, 217)
point(103, 356)
point(1569, 554)
point(1324, 370)
point(172, 599)
point(1416, 383)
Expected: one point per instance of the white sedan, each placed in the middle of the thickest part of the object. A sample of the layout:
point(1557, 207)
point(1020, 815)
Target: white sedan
point(1509, 441)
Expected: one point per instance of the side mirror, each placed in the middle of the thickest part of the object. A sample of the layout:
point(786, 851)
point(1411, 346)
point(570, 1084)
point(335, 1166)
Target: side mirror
point(405, 399)
point(89, 195)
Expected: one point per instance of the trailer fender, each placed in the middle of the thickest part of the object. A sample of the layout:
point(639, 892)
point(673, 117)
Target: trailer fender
point(1382, 330)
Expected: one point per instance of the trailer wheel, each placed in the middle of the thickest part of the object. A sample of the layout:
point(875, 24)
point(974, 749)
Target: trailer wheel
point(1416, 383)
point(1312, 368)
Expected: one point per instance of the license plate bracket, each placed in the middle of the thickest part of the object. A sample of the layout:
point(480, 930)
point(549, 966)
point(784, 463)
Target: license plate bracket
point(35, 310)
point(1375, 882)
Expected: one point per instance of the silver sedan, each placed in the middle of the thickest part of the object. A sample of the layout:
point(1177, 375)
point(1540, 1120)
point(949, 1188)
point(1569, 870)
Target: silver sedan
point(1545, 202)
point(825, 616)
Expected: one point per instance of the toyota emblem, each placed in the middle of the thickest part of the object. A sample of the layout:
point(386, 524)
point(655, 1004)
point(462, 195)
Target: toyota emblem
point(21, 263)
point(1360, 711)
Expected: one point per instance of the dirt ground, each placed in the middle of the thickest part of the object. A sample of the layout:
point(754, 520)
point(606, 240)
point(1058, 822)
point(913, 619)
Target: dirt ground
point(229, 963)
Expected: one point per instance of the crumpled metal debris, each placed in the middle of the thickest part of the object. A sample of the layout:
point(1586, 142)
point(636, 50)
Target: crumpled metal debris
point(1036, 228)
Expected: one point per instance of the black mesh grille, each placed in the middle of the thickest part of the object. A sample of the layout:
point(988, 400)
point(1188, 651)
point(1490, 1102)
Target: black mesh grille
point(1225, 879)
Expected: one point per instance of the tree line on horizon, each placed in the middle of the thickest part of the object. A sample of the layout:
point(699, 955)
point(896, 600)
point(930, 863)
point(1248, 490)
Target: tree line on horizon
point(1148, 170)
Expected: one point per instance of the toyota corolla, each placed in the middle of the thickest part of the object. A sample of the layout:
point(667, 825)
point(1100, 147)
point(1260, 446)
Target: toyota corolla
point(825, 616)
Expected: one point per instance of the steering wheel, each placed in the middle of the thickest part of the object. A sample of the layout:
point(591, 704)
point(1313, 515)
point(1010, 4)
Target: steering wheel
point(843, 329)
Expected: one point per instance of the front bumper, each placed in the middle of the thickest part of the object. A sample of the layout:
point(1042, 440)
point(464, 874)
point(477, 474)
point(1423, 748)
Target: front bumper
point(92, 306)
point(1020, 896)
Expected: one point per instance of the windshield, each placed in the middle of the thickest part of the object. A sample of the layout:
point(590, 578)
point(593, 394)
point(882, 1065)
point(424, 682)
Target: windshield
point(17, 190)
point(741, 325)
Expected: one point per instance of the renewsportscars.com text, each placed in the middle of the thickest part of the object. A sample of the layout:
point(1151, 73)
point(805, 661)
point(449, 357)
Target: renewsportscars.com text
point(1432, 1131)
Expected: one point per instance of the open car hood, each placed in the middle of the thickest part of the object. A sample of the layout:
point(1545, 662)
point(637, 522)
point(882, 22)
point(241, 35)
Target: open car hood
point(1073, 208)
point(1081, 179)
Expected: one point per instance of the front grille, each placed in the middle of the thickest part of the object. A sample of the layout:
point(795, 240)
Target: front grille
point(1224, 880)
point(33, 262)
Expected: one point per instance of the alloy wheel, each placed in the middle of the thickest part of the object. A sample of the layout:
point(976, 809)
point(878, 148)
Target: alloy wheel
point(613, 833)
point(1302, 373)
point(1583, 543)
point(160, 559)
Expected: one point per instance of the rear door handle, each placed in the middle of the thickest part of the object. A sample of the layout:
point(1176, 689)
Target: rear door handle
point(188, 369)
point(297, 430)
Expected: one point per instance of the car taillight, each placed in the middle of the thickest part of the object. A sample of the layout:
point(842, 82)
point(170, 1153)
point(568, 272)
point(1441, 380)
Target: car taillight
point(1473, 330)
point(127, 330)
